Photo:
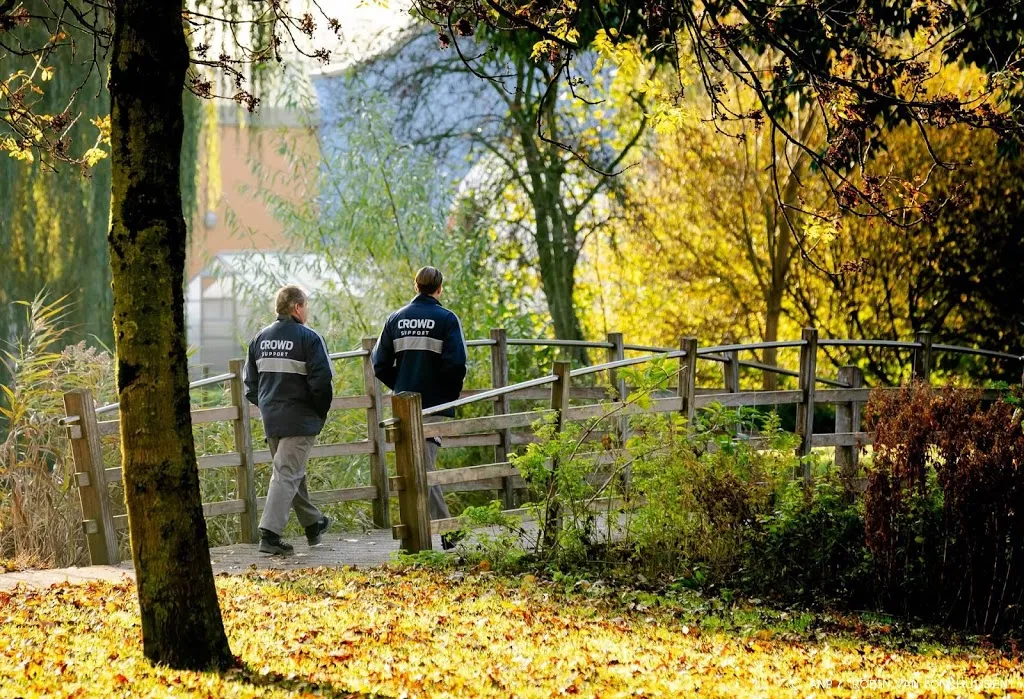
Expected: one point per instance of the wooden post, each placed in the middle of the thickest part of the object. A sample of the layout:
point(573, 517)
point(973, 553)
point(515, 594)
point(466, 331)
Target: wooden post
point(375, 433)
point(922, 367)
point(848, 421)
point(618, 383)
point(560, 404)
point(688, 378)
point(805, 409)
point(87, 452)
point(499, 379)
point(411, 460)
point(731, 371)
point(245, 477)
point(560, 392)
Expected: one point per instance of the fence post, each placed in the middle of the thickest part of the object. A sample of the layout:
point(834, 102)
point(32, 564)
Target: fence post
point(411, 462)
point(245, 477)
point(688, 378)
point(87, 452)
point(375, 433)
point(848, 421)
point(922, 366)
point(805, 409)
point(616, 352)
point(560, 404)
point(499, 379)
point(731, 370)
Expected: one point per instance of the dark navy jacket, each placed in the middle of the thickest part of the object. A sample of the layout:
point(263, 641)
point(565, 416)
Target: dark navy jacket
point(421, 349)
point(288, 375)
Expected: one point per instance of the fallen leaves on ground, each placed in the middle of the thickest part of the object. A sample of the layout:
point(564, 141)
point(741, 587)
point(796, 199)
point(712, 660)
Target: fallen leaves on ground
point(421, 633)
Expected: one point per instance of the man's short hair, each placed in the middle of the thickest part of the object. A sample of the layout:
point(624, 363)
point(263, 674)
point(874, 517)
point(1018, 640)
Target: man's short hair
point(429, 280)
point(288, 297)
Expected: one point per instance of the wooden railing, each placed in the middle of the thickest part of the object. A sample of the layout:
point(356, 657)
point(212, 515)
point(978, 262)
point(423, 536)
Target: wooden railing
point(405, 432)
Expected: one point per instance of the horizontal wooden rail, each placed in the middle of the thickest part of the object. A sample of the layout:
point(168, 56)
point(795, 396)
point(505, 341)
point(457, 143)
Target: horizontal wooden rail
point(894, 344)
point(844, 395)
point(471, 473)
point(843, 439)
point(111, 407)
point(980, 352)
point(719, 349)
point(440, 526)
point(233, 459)
point(622, 363)
point(616, 408)
point(486, 484)
point(483, 395)
point(560, 343)
point(749, 398)
point(210, 509)
point(200, 416)
point(340, 403)
point(488, 423)
point(349, 354)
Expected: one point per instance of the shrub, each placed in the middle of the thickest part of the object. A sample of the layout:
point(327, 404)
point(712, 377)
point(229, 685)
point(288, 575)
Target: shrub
point(811, 548)
point(945, 506)
point(672, 500)
point(702, 491)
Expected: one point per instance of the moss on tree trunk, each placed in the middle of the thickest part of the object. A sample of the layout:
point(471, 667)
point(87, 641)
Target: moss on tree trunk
point(181, 622)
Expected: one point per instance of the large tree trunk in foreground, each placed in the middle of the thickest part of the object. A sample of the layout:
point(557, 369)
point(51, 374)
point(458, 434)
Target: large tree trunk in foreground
point(181, 622)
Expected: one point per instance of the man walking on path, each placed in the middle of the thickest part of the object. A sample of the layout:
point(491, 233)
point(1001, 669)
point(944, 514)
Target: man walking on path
point(422, 350)
point(288, 375)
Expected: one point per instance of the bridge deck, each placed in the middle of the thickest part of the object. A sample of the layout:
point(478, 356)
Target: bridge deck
point(355, 549)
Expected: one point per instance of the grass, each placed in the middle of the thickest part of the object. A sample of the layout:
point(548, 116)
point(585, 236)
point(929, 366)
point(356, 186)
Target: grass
point(415, 632)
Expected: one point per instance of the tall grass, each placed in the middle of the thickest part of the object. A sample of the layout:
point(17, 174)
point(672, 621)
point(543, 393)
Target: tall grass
point(40, 515)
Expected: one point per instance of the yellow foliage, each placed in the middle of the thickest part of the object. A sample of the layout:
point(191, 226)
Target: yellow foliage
point(425, 634)
point(94, 156)
point(542, 49)
point(17, 151)
point(103, 124)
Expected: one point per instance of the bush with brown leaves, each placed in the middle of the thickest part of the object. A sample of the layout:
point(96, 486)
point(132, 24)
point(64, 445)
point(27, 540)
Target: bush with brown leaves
point(945, 506)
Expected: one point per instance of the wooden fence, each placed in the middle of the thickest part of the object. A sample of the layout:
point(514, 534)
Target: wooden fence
point(404, 433)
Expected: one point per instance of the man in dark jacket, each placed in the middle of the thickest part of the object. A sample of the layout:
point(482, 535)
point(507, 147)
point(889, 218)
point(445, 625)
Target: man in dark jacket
point(288, 374)
point(421, 349)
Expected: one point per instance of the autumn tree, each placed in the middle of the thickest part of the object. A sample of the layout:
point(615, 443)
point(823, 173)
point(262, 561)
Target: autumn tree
point(956, 275)
point(864, 66)
point(544, 198)
point(712, 261)
point(702, 220)
point(147, 47)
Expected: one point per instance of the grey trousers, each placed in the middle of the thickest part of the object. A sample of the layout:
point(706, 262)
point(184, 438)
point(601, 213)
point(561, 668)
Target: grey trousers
point(435, 501)
point(288, 484)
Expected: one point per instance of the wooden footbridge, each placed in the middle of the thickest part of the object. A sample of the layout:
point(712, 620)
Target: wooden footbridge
point(567, 393)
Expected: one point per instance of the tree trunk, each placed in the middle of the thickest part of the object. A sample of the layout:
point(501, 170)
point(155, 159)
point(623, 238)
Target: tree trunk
point(771, 334)
point(558, 278)
point(181, 622)
point(555, 233)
